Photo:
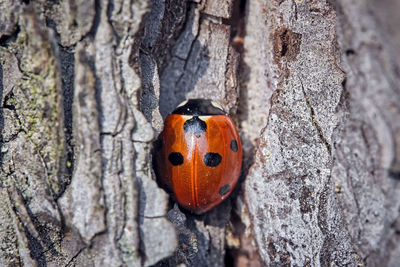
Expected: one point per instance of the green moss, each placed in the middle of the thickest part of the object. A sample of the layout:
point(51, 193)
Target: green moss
point(32, 120)
point(11, 101)
point(38, 101)
point(29, 133)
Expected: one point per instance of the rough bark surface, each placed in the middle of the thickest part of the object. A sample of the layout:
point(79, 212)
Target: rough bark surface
point(323, 189)
point(313, 86)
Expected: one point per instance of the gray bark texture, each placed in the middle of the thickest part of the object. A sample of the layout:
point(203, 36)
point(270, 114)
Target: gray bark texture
point(314, 87)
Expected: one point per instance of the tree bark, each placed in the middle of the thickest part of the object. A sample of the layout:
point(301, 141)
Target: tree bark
point(312, 85)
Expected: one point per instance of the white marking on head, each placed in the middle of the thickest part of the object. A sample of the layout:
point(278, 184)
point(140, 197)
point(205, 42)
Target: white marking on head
point(187, 117)
point(217, 105)
point(182, 103)
point(204, 118)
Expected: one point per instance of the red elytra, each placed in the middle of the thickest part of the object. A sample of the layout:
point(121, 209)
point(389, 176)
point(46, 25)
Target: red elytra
point(198, 155)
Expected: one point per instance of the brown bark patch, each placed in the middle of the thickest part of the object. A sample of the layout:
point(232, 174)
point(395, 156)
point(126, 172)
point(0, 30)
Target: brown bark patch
point(286, 44)
point(271, 249)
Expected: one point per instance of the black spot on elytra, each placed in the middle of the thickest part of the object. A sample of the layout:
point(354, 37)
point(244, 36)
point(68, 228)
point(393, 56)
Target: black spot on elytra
point(234, 146)
point(195, 126)
point(224, 189)
point(212, 159)
point(175, 158)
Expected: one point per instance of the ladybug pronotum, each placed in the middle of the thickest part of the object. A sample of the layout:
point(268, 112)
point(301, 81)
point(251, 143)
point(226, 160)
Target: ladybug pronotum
point(198, 155)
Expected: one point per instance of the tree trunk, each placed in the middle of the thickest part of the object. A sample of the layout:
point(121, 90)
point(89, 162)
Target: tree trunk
point(312, 85)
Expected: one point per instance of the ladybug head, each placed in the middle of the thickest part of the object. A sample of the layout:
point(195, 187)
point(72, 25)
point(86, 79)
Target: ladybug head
point(199, 107)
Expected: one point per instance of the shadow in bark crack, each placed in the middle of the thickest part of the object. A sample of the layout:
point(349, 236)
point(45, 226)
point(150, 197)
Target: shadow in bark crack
point(1, 115)
point(181, 77)
point(243, 115)
point(196, 248)
point(189, 62)
point(165, 86)
point(67, 65)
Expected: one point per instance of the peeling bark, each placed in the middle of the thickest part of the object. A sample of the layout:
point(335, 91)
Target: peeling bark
point(84, 88)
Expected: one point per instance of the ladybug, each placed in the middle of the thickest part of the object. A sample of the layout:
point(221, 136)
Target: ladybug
point(198, 155)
